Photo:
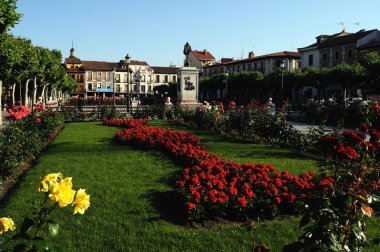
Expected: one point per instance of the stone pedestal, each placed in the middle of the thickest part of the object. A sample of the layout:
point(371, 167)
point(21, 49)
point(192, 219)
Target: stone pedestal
point(188, 86)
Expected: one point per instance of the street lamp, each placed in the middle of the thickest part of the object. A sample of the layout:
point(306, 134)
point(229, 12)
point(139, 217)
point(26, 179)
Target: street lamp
point(282, 66)
point(225, 95)
point(113, 89)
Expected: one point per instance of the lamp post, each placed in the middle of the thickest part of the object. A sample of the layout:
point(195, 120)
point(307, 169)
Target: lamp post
point(113, 86)
point(225, 95)
point(282, 66)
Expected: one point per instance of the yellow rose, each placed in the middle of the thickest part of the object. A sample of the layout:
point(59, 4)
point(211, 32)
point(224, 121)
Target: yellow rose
point(49, 180)
point(62, 192)
point(81, 202)
point(6, 224)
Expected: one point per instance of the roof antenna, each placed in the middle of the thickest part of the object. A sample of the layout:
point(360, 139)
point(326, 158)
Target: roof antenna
point(242, 52)
point(357, 24)
point(72, 43)
point(342, 26)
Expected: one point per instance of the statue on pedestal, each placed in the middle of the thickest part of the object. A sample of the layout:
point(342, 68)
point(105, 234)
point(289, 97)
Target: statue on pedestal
point(186, 51)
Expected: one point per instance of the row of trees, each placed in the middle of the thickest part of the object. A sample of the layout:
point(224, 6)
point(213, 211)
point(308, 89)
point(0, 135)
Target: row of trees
point(366, 73)
point(22, 62)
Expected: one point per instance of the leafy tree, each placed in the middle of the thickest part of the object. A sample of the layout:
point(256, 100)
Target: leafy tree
point(371, 62)
point(8, 15)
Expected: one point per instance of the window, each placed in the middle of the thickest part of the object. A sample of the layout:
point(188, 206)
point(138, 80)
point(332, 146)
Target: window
point(99, 85)
point(89, 76)
point(243, 67)
point(166, 79)
point(255, 66)
point(117, 77)
point(108, 76)
point(118, 89)
point(89, 86)
point(108, 85)
point(93, 75)
point(125, 77)
point(324, 57)
point(174, 78)
point(157, 78)
point(349, 54)
point(143, 88)
point(336, 55)
point(261, 66)
point(125, 88)
point(99, 76)
point(135, 88)
point(149, 89)
point(311, 56)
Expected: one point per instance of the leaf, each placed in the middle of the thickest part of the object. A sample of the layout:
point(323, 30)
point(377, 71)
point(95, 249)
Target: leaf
point(21, 236)
point(26, 225)
point(40, 243)
point(53, 228)
point(56, 249)
point(20, 247)
point(2, 239)
point(305, 220)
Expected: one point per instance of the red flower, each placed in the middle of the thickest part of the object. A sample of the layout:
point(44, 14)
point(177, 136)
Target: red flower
point(190, 206)
point(242, 201)
point(278, 200)
point(38, 120)
point(51, 134)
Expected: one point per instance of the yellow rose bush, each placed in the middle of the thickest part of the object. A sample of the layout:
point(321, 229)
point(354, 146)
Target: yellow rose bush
point(58, 191)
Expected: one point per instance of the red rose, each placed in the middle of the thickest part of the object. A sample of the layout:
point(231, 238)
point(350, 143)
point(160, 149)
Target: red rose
point(190, 206)
point(38, 120)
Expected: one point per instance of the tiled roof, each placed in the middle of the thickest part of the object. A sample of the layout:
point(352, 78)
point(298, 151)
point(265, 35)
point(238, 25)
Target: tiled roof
point(203, 55)
point(225, 60)
point(165, 70)
point(139, 63)
point(284, 54)
point(344, 39)
point(369, 45)
point(98, 65)
point(73, 60)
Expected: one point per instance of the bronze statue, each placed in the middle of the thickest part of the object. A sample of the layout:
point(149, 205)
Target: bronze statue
point(186, 51)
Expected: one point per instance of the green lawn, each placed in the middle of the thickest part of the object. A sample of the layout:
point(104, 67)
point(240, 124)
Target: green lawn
point(133, 204)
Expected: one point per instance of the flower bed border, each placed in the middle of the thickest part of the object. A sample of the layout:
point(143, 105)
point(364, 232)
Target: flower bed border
point(11, 181)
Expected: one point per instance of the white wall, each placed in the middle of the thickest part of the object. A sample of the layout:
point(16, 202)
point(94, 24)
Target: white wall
point(305, 58)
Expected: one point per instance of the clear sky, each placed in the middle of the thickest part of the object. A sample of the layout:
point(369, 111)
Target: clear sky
point(156, 30)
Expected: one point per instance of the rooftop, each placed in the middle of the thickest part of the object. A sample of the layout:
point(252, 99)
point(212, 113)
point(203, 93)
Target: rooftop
point(203, 55)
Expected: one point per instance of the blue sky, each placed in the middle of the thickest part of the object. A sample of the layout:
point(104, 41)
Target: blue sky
point(156, 30)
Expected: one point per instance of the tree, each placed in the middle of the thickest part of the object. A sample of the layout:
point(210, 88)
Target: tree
point(371, 62)
point(8, 15)
point(348, 76)
point(8, 18)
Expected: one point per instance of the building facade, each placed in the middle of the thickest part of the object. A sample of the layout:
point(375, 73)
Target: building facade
point(339, 48)
point(200, 59)
point(267, 64)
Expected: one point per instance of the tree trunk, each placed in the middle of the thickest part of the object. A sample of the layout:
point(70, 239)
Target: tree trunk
point(1, 107)
point(26, 93)
point(43, 93)
point(20, 93)
point(46, 95)
point(13, 93)
point(35, 92)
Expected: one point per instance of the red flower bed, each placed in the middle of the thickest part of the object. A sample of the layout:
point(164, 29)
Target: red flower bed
point(125, 123)
point(17, 112)
point(212, 186)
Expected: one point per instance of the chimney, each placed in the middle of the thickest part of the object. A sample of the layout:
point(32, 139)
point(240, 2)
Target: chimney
point(127, 59)
point(72, 53)
point(204, 51)
point(251, 55)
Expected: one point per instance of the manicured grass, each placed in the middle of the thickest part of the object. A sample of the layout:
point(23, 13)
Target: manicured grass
point(133, 203)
